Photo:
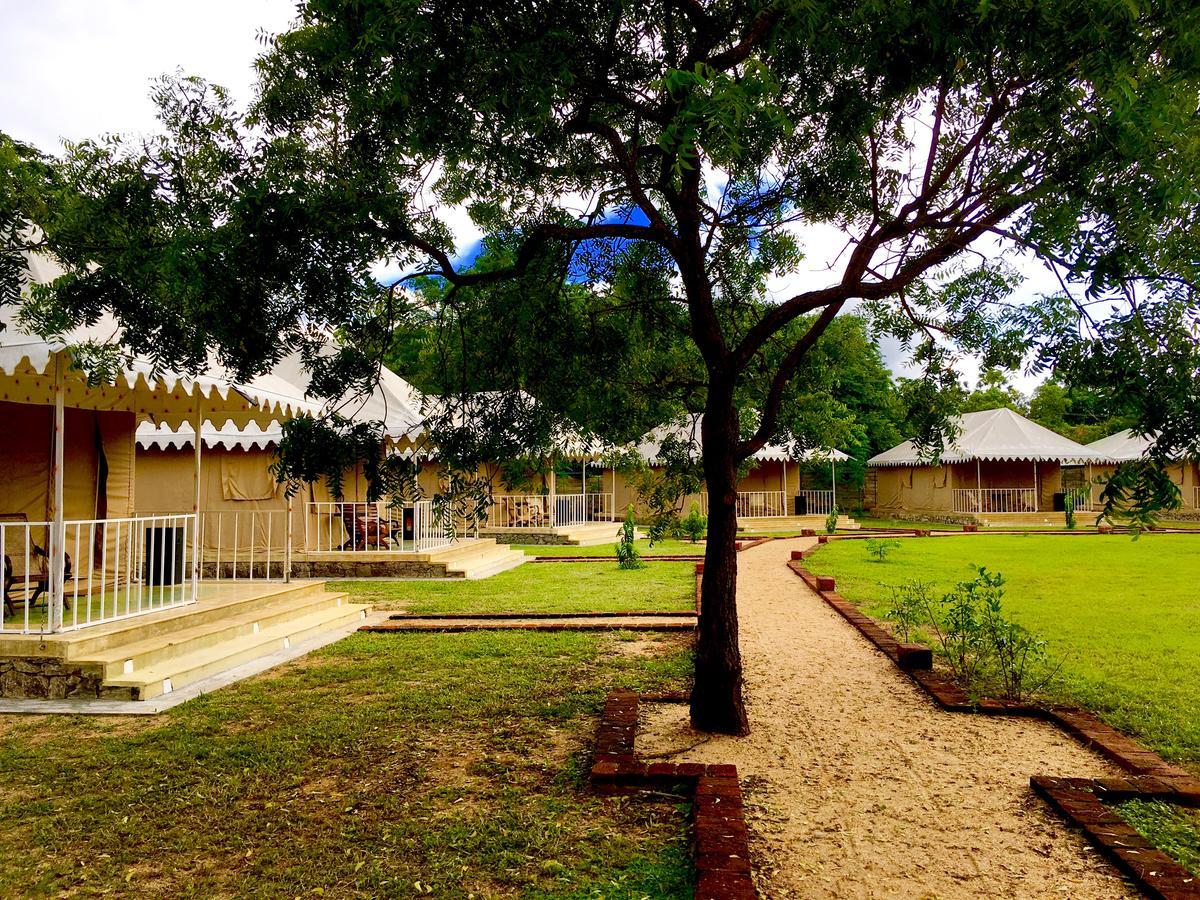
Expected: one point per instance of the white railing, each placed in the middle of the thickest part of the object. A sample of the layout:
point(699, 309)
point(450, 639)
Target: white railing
point(519, 511)
point(995, 500)
point(1082, 500)
point(112, 569)
point(816, 503)
point(359, 526)
point(755, 504)
point(534, 510)
point(251, 545)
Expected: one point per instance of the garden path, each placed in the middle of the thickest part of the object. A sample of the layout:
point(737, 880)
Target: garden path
point(858, 786)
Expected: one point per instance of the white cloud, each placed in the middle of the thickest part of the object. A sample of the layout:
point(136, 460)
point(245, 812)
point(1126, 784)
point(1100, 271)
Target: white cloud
point(80, 68)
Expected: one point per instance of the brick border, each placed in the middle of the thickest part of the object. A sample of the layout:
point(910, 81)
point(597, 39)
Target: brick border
point(1082, 801)
point(720, 840)
point(1079, 800)
point(504, 616)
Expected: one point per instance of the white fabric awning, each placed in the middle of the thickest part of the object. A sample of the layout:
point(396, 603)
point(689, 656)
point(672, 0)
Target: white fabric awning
point(1123, 446)
point(27, 375)
point(228, 436)
point(995, 435)
point(688, 431)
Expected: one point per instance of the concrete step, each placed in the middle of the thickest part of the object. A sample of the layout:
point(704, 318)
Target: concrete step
point(136, 656)
point(491, 565)
point(464, 549)
point(592, 534)
point(178, 670)
point(89, 642)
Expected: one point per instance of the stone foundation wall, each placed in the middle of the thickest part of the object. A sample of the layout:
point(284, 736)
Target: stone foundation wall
point(351, 569)
point(47, 678)
point(538, 538)
point(904, 515)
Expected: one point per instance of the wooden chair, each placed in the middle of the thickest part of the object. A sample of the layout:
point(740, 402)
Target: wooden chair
point(31, 584)
point(366, 528)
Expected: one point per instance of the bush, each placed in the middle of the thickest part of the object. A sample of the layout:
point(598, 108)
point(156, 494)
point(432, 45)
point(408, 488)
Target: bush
point(695, 524)
point(627, 553)
point(912, 605)
point(880, 549)
point(985, 652)
point(1069, 510)
point(831, 520)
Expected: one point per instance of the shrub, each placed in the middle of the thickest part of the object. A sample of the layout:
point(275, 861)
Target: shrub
point(1069, 510)
point(880, 549)
point(695, 524)
point(912, 605)
point(831, 520)
point(627, 554)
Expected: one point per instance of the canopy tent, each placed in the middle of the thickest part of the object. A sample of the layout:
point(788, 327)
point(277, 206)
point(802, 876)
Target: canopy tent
point(27, 375)
point(687, 430)
point(994, 435)
point(1123, 446)
point(68, 444)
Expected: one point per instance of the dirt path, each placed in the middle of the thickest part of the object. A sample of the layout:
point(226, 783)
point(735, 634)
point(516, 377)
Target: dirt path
point(858, 786)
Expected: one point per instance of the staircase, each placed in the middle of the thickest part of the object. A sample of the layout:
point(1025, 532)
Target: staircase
point(153, 655)
point(477, 559)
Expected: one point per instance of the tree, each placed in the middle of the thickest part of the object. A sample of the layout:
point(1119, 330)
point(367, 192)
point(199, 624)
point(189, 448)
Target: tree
point(994, 392)
point(1076, 412)
point(677, 153)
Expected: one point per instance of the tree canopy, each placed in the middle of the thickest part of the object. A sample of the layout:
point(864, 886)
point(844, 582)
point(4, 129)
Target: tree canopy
point(677, 157)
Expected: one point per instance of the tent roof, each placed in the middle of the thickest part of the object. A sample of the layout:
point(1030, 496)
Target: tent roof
point(991, 436)
point(27, 375)
point(688, 431)
point(1122, 446)
point(228, 436)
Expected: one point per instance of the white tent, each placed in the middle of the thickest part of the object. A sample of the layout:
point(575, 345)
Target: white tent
point(995, 435)
point(687, 430)
point(1122, 446)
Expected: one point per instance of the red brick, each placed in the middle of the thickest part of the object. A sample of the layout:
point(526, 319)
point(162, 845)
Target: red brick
point(724, 886)
point(722, 770)
point(825, 583)
point(721, 862)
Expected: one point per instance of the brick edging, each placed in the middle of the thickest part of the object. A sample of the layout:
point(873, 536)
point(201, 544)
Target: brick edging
point(720, 840)
point(1082, 801)
point(582, 625)
point(677, 557)
point(502, 616)
point(1152, 777)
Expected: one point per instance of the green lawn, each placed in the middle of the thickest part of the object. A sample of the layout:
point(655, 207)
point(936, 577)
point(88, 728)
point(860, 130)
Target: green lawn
point(662, 548)
point(1122, 615)
point(1173, 829)
point(540, 587)
point(382, 765)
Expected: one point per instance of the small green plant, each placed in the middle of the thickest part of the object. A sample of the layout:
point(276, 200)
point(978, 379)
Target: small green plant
point(627, 553)
point(1069, 510)
point(695, 524)
point(912, 605)
point(831, 520)
point(880, 548)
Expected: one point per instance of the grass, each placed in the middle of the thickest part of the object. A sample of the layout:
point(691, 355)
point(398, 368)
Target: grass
point(1173, 829)
point(662, 548)
point(540, 587)
point(1120, 614)
point(382, 765)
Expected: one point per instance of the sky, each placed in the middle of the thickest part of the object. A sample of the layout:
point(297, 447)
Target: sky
point(74, 69)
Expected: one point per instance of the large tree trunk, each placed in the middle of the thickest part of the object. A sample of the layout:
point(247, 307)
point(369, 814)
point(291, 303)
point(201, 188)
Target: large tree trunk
point(717, 704)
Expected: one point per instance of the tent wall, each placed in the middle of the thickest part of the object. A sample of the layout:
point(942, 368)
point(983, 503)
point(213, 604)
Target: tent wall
point(90, 438)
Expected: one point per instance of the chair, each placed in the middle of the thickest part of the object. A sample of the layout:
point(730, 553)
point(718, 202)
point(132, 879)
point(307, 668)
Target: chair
point(366, 528)
point(32, 584)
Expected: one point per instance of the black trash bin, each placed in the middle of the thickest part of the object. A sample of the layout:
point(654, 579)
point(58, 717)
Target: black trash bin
point(1060, 502)
point(164, 556)
point(801, 504)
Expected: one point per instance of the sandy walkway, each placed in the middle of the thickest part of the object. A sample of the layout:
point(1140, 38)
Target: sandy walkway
point(857, 786)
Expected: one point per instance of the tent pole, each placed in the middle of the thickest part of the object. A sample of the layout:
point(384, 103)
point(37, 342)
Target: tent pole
point(783, 498)
point(978, 490)
point(584, 479)
point(613, 512)
point(198, 443)
point(553, 496)
point(833, 470)
point(1036, 492)
point(58, 529)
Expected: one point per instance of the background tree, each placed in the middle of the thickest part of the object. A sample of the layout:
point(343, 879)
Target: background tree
point(994, 391)
point(705, 138)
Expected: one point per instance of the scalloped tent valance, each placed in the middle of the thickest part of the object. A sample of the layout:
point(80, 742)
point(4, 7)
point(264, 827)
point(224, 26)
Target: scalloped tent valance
point(996, 435)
